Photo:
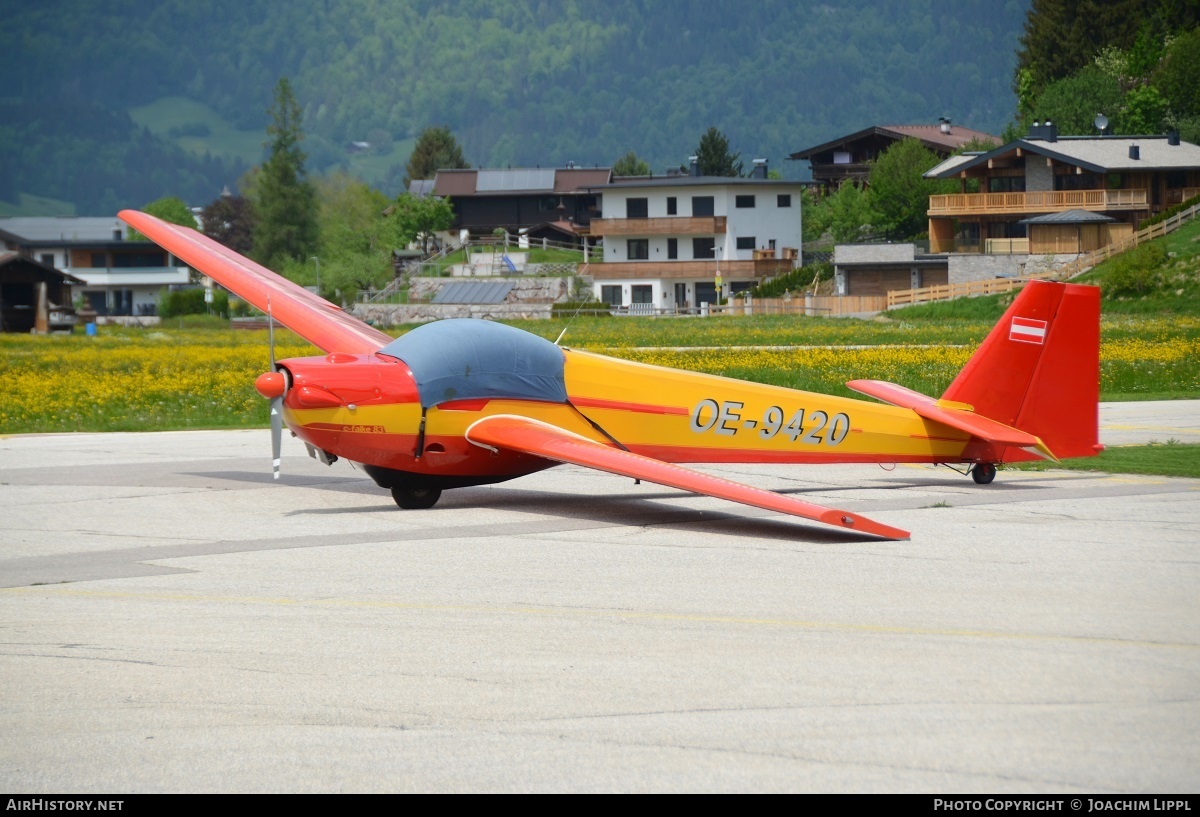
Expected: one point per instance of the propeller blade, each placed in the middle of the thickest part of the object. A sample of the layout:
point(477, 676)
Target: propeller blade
point(276, 433)
point(276, 401)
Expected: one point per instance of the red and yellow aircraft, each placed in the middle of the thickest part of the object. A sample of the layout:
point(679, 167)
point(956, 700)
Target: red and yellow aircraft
point(469, 402)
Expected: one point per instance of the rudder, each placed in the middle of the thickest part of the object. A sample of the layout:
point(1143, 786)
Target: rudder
point(1038, 370)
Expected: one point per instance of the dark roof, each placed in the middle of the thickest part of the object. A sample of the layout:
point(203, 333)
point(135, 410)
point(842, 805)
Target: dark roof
point(931, 135)
point(690, 181)
point(518, 180)
point(45, 271)
point(1069, 217)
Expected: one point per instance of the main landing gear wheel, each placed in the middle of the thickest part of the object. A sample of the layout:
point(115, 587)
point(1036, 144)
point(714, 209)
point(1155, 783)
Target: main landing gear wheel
point(415, 499)
point(982, 473)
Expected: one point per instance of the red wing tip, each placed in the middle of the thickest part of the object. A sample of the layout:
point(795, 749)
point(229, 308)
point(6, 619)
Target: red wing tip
point(852, 521)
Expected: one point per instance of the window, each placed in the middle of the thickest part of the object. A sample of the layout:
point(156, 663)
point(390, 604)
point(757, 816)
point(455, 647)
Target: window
point(702, 205)
point(642, 294)
point(636, 208)
point(611, 295)
point(639, 249)
point(704, 248)
point(48, 259)
point(672, 206)
point(746, 242)
point(743, 201)
point(672, 248)
point(1006, 184)
point(99, 260)
point(783, 200)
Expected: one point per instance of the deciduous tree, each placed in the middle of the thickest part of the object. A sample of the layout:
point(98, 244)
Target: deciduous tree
point(1072, 103)
point(229, 220)
point(419, 218)
point(169, 209)
point(899, 193)
point(630, 165)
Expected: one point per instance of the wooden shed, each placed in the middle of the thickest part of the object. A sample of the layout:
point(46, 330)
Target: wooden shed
point(34, 297)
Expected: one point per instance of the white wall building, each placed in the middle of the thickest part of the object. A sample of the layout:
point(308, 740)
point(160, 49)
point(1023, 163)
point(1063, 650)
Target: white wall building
point(121, 277)
point(667, 239)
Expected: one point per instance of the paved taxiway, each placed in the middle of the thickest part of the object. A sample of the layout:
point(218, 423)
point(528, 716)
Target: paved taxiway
point(172, 621)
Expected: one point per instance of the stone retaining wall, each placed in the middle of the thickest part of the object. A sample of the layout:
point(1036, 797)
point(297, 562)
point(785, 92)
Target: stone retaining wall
point(395, 314)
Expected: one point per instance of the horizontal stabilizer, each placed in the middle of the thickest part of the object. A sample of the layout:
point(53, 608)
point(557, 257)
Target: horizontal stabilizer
point(541, 439)
point(956, 415)
point(310, 316)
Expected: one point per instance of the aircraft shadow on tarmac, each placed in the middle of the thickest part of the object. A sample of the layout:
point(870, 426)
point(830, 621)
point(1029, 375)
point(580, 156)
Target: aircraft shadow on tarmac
point(640, 509)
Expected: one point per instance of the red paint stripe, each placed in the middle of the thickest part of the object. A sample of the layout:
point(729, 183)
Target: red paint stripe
point(619, 405)
point(815, 456)
point(463, 405)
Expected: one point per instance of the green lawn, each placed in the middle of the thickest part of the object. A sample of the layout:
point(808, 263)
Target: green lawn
point(1170, 459)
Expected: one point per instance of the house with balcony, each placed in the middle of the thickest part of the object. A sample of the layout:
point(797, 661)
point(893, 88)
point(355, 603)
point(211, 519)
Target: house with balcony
point(120, 277)
point(1045, 194)
point(848, 158)
point(675, 242)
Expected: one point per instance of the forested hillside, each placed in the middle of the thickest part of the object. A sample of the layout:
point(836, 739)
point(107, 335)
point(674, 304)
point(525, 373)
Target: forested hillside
point(518, 81)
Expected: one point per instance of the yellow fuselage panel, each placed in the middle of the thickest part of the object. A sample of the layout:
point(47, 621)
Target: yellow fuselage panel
point(653, 406)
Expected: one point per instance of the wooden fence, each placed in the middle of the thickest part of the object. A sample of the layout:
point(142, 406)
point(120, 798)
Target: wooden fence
point(946, 292)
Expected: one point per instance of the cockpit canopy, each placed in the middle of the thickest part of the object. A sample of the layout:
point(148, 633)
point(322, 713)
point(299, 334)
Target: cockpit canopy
point(467, 359)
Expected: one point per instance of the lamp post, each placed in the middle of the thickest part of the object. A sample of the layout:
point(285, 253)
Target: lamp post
point(318, 260)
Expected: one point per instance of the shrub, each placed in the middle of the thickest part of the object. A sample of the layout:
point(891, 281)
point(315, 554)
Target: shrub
point(570, 307)
point(1170, 211)
point(798, 280)
point(1135, 273)
point(173, 303)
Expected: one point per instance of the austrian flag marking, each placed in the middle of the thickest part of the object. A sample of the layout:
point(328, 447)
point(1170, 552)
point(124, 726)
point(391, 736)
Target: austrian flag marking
point(1027, 330)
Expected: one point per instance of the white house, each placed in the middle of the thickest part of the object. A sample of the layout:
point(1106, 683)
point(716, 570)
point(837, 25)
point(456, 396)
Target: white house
point(121, 277)
point(671, 241)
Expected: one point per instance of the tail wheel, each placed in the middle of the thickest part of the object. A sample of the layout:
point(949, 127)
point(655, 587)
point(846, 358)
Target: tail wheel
point(415, 499)
point(983, 472)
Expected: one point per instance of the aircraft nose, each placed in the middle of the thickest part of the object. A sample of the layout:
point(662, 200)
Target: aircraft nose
point(271, 384)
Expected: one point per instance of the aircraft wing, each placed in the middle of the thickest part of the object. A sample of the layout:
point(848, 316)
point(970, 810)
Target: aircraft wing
point(955, 415)
point(311, 317)
point(541, 439)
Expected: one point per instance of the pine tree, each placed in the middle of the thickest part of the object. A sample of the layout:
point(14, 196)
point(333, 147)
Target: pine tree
point(284, 200)
point(436, 149)
point(713, 157)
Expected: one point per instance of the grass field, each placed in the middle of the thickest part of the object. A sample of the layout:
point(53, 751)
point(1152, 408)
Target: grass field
point(198, 374)
point(167, 113)
point(199, 129)
point(27, 205)
point(1169, 459)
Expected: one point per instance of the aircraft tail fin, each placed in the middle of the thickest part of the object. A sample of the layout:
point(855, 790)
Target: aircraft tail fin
point(1039, 370)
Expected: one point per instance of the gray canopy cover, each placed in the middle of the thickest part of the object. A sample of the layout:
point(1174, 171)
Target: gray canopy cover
point(467, 359)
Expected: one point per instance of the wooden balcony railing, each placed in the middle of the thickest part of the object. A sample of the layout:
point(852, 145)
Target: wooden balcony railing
point(971, 204)
point(671, 225)
point(688, 269)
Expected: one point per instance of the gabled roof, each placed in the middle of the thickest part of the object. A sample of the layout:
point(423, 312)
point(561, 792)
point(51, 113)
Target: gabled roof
point(45, 271)
point(1097, 154)
point(518, 180)
point(930, 135)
